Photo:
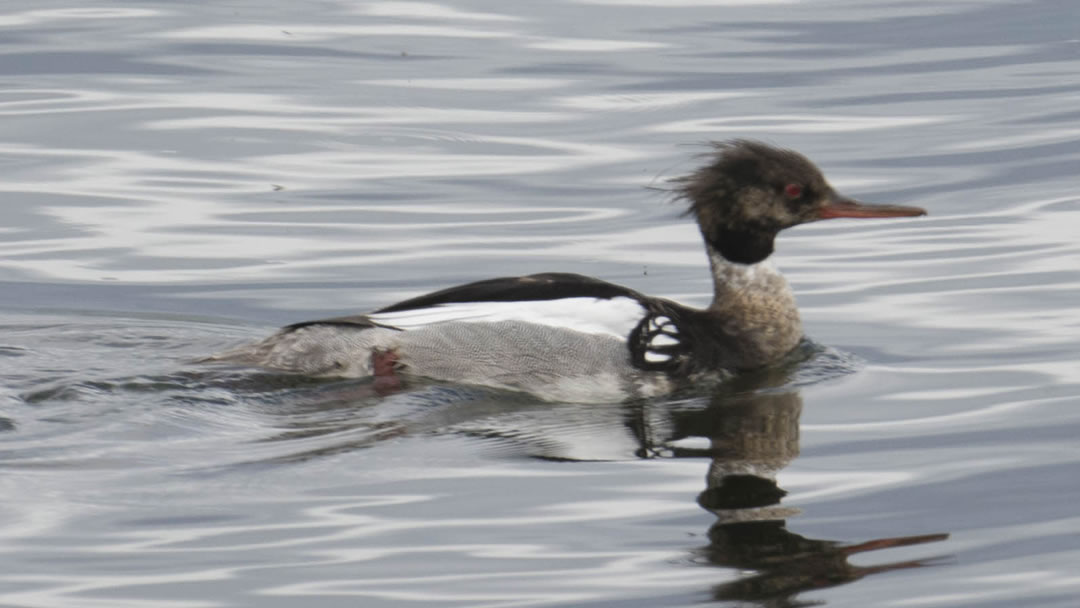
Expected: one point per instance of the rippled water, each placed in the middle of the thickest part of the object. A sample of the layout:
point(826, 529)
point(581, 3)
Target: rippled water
point(180, 177)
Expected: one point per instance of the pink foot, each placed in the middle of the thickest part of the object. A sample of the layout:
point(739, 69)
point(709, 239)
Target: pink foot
point(384, 366)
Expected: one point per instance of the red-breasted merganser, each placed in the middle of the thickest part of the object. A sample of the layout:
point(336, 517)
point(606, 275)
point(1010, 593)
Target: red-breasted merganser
point(570, 337)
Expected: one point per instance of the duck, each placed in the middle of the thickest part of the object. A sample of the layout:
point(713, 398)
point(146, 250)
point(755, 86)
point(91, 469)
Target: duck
point(573, 338)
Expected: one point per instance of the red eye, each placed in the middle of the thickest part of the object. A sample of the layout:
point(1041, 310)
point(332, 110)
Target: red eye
point(793, 190)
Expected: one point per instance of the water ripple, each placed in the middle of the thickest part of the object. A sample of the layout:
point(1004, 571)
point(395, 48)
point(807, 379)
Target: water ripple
point(182, 177)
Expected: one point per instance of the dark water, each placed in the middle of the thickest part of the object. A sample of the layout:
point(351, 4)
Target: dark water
point(179, 177)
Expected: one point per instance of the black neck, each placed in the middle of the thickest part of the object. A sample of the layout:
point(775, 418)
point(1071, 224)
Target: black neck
point(742, 246)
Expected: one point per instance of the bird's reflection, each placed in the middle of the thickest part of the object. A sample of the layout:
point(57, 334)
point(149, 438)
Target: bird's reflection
point(747, 428)
point(751, 436)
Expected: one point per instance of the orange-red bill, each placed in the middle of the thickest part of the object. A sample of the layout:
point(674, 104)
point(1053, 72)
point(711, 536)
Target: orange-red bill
point(846, 207)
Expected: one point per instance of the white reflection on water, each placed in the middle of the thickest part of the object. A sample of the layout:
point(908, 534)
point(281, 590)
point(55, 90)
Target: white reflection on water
point(79, 15)
point(794, 123)
point(313, 33)
point(1000, 413)
point(813, 486)
point(686, 3)
point(584, 45)
point(437, 216)
point(343, 165)
point(474, 84)
point(430, 11)
point(644, 101)
point(355, 120)
point(1027, 138)
point(321, 33)
point(60, 592)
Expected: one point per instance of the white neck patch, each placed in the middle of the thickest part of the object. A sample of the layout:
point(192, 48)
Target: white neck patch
point(732, 276)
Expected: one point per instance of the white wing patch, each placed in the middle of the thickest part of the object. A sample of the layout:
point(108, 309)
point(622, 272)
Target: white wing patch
point(610, 316)
point(663, 340)
point(661, 323)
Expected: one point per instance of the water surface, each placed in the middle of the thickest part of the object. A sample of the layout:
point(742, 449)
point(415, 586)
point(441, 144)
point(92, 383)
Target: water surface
point(182, 177)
